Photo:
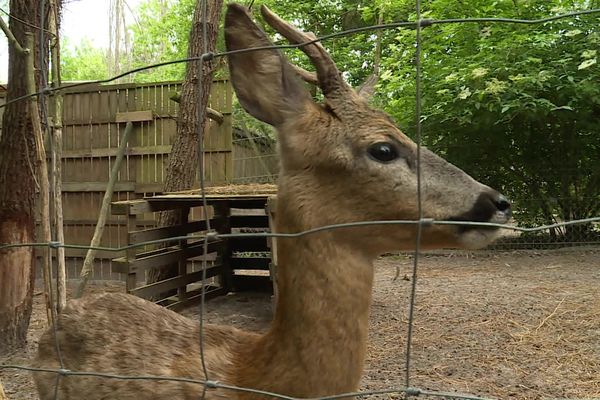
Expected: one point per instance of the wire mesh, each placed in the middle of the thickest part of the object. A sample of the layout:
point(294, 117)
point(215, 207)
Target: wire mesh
point(212, 235)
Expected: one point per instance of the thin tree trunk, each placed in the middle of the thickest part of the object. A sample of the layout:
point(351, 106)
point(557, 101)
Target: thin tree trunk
point(44, 186)
point(18, 183)
point(183, 160)
point(61, 275)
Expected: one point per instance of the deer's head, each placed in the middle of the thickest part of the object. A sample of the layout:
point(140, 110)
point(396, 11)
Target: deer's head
point(343, 161)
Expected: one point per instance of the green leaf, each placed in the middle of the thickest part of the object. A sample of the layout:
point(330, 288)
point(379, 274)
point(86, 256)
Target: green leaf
point(465, 92)
point(573, 33)
point(587, 63)
point(562, 108)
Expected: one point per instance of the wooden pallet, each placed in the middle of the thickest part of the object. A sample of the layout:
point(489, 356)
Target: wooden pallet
point(232, 264)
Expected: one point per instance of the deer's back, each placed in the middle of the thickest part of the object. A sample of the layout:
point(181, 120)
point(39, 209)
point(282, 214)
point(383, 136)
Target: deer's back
point(124, 335)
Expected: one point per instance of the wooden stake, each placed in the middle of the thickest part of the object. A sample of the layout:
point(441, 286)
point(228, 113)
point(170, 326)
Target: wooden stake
point(114, 173)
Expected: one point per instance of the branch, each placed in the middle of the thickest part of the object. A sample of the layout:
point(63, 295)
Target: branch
point(104, 210)
point(214, 115)
point(11, 38)
point(210, 113)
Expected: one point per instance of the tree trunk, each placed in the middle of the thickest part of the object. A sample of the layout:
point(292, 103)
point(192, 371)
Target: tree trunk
point(183, 160)
point(18, 183)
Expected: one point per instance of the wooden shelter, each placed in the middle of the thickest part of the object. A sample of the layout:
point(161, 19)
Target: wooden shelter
point(232, 264)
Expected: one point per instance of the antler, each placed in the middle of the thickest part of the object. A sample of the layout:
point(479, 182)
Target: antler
point(330, 80)
point(307, 76)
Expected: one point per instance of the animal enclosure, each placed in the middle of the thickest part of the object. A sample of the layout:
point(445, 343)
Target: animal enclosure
point(459, 316)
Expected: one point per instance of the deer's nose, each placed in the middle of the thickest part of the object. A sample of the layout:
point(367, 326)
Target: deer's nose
point(502, 204)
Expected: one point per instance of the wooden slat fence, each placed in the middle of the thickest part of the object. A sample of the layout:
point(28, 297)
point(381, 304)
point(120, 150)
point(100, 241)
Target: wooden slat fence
point(92, 121)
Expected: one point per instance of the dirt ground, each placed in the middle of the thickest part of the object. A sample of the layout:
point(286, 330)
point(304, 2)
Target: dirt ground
point(518, 325)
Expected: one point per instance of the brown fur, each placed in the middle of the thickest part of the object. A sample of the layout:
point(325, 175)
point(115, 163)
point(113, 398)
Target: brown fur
point(316, 343)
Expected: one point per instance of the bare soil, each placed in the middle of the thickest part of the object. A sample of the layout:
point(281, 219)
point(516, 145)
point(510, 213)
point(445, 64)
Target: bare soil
point(510, 325)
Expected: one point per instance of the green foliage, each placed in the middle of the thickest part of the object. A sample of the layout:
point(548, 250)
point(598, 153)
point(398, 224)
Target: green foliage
point(354, 54)
point(83, 62)
point(161, 33)
point(515, 106)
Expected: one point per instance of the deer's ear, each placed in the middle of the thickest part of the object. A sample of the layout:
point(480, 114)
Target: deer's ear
point(264, 81)
point(367, 89)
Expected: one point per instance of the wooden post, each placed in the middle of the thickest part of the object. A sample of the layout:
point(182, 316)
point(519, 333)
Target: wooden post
point(223, 210)
point(182, 265)
point(114, 173)
point(131, 279)
point(271, 208)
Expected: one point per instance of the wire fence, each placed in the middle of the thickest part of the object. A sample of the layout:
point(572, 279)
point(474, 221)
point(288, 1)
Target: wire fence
point(421, 222)
point(255, 158)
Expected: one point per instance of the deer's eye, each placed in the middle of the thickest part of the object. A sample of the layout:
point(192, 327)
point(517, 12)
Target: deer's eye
point(383, 152)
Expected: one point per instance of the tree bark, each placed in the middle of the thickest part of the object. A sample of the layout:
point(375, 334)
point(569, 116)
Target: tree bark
point(183, 160)
point(18, 183)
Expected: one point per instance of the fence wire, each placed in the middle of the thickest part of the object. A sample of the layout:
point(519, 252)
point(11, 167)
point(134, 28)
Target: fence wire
point(421, 222)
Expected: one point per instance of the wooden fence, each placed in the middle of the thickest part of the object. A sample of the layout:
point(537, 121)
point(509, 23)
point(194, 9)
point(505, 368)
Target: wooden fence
point(91, 134)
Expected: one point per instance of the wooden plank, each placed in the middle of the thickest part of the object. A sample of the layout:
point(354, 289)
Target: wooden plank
point(141, 206)
point(80, 253)
point(112, 151)
point(111, 120)
point(134, 116)
point(195, 296)
point(248, 244)
point(169, 231)
point(149, 187)
point(101, 87)
point(148, 291)
point(260, 263)
point(130, 207)
point(111, 222)
point(253, 201)
point(97, 186)
point(163, 257)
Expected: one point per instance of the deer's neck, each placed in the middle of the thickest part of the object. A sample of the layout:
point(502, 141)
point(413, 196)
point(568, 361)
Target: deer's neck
point(317, 342)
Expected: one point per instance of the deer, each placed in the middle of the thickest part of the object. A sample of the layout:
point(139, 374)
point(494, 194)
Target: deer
point(341, 161)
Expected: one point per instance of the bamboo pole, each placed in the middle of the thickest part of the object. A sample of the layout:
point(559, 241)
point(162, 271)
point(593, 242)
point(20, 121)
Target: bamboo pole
point(114, 173)
point(61, 276)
